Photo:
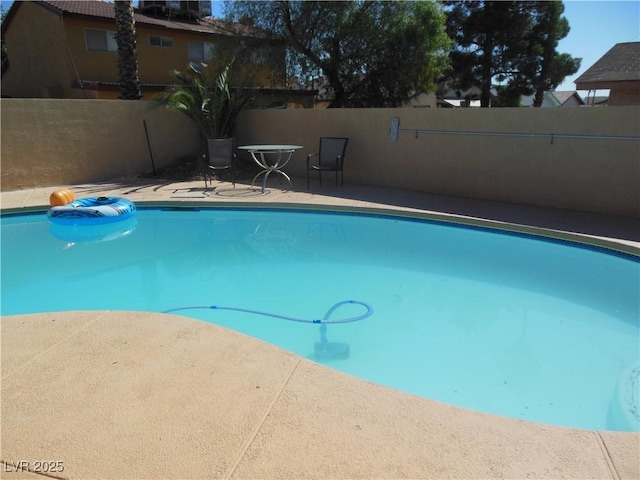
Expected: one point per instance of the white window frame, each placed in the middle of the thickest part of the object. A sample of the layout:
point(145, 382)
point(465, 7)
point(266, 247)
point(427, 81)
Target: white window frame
point(109, 39)
point(207, 51)
point(164, 42)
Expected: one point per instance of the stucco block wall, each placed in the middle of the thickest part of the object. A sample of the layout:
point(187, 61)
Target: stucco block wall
point(61, 142)
point(582, 174)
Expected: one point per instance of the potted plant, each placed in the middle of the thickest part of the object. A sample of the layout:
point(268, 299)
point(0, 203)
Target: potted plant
point(207, 97)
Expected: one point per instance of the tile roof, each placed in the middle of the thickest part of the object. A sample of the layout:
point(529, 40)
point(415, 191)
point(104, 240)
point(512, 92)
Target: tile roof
point(104, 9)
point(95, 8)
point(621, 63)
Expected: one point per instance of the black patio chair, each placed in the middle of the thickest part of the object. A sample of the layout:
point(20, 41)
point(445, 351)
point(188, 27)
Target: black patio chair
point(330, 158)
point(221, 156)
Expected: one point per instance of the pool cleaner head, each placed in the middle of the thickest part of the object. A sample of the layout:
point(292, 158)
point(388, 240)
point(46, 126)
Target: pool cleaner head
point(326, 350)
point(331, 350)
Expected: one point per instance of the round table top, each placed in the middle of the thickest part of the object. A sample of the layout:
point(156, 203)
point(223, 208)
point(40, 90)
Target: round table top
point(270, 148)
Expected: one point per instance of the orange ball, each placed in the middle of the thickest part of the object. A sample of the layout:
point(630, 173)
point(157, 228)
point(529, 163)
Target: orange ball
point(61, 197)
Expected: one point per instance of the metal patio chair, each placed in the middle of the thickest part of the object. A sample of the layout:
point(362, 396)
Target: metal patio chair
point(330, 158)
point(221, 156)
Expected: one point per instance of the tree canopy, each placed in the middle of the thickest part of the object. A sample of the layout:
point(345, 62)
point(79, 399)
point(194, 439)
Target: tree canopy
point(371, 53)
point(3, 46)
point(511, 42)
point(549, 68)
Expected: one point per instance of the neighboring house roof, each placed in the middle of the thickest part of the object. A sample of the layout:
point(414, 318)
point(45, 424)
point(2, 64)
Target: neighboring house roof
point(619, 67)
point(103, 9)
point(555, 99)
point(596, 100)
point(565, 96)
point(472, 93)
point(548, 100)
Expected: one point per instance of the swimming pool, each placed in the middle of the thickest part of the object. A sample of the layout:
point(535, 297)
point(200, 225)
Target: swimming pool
point(502, 323)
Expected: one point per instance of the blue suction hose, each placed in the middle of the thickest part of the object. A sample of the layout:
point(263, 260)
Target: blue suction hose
point(324, 320)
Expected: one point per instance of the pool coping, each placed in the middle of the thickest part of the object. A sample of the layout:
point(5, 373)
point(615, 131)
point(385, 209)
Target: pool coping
point(275, 415)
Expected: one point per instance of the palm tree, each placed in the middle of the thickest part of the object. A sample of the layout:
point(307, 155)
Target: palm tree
point(204, 93)
point(208, 98)
point(127, 57)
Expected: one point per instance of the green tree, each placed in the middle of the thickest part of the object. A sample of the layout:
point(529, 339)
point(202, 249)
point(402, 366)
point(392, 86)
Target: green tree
point(371, 53)
point(488, 38)
point(3, 45)
point(127, 57)
point(548, 67)
point(510, 42)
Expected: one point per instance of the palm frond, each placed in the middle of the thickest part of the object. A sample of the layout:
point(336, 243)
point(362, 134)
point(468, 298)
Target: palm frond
point(209, 101)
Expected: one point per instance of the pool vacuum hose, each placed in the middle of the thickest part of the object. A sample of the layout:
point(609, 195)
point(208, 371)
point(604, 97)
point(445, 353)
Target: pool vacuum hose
point(325, 319)
point(324, 349)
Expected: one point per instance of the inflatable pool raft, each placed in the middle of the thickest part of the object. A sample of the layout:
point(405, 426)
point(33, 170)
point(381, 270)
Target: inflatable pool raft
point(92, 211)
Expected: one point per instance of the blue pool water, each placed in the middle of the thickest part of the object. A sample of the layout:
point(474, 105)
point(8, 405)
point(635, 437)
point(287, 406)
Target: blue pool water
point(506, 324)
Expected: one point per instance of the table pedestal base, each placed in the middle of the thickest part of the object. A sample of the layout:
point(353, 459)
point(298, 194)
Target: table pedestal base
point(266, 176)
point(280, 156)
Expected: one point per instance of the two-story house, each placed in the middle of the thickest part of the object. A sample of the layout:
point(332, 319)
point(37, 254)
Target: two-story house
point(67, 49)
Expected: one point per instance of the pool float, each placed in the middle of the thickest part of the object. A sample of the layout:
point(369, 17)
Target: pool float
point(106, 232)
point(92, 211)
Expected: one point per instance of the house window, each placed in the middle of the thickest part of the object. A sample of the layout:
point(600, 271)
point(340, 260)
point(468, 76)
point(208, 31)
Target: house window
point(201, 51)
point(259, 56)
point(101, 40)
point(161, 41)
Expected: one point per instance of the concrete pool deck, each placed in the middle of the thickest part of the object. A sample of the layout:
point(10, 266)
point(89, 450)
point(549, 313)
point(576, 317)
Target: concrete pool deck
point(124, 395)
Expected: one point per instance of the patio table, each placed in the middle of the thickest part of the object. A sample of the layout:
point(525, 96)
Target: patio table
point(271, 158)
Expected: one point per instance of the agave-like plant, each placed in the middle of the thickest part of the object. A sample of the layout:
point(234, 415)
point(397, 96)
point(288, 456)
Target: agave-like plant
point(209, 100)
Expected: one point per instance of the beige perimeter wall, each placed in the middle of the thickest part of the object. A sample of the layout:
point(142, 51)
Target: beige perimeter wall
point(61, 142)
